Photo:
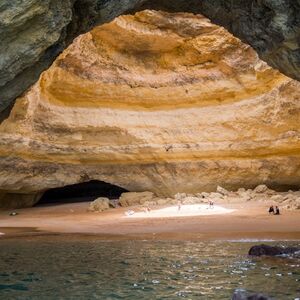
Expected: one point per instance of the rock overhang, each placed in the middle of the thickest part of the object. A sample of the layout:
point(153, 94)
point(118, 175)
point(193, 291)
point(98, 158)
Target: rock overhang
point(194, 110)
point(37, 31)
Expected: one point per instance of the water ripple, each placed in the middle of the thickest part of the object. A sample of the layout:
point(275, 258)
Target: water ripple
point(140, 270)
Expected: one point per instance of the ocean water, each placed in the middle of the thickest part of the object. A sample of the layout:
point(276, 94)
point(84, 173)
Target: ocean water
point(95, 269)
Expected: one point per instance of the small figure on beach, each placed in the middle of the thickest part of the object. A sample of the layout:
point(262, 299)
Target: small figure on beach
point(129, 212)
point(211, 204)
point(179, 205)
point(277, 212)
point(271, 210)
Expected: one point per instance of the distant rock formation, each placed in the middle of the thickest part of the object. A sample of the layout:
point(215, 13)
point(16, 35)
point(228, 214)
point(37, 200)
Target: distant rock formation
point(154, 102)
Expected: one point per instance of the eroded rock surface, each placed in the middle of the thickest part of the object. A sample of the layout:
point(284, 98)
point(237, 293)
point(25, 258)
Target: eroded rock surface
point(285, 200)
point(100, 204)
point(154, 102)
point(33, 32)
point(244, 295)
point(267, 250)
point(133, 198)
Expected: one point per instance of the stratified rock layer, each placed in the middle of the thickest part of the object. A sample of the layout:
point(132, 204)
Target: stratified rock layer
point(34, 32)
point(159, 102)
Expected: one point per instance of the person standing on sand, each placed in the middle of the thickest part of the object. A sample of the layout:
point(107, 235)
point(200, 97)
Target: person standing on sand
point(179, 205)
point(277, 212)
point(211, 204)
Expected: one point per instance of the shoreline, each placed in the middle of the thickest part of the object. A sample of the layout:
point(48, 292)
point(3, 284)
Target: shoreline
point(72, 221)
point(252, 237)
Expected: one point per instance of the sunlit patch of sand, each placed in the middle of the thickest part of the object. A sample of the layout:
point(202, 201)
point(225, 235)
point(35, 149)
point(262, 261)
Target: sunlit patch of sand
point(185, 211)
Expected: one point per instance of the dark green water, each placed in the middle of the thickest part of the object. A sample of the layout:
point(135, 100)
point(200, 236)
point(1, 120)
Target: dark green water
point(94, 269)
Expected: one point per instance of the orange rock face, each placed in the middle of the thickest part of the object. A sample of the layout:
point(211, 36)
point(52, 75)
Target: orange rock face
point(156, 101)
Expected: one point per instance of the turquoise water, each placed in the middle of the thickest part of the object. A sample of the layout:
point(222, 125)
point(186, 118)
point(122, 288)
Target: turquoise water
point(95, 269)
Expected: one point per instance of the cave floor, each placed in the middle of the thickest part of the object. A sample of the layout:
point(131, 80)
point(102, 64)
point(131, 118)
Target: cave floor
point(248, 221)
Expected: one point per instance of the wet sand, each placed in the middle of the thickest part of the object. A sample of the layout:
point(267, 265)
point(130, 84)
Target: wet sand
point(247, 221)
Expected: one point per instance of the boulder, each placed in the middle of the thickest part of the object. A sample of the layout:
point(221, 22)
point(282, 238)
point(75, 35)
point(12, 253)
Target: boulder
point(180, 196)
point(100, 204)
point(222, 190)
point(150, 203)
point(192, 200)
point(262, 188)
point(246, 198)
point(244, 295)
point(244, 195)
point(259, 250)
point(204, 194)
point(162, 201)
point(135, 198)
point(277, 198)
point(292, 203)
point(216, 196)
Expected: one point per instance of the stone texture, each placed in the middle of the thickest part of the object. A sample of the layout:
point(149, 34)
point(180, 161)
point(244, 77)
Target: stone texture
point(271, 27)
point(133, 198)
point(285, 200)
point(244, 295)
point(100, 204)
point(34, 32)
point(154, 102)
point(31, 33)
point(262, 188)
point(18, 200)
point(267, 250)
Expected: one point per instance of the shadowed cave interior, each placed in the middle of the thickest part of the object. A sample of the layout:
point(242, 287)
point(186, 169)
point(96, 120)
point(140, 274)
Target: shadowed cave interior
point(81, 192)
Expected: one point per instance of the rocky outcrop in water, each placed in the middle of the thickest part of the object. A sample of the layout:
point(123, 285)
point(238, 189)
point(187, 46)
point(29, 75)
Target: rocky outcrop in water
point(159, 102)
point(267, 250)
point(34, 32)
point(244, 295)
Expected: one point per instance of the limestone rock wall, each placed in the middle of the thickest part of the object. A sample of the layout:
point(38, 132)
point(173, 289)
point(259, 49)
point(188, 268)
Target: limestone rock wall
point(271, 27)
point(34, 32)
point(159, 102)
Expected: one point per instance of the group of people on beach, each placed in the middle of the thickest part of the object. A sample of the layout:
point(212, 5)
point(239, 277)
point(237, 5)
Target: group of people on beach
point(274, 211)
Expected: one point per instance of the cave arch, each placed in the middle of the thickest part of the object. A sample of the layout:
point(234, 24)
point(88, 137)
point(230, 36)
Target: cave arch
point(270, 27)
point(81, 192)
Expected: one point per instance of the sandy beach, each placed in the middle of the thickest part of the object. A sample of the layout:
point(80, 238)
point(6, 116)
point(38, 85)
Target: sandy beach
point(226, 221)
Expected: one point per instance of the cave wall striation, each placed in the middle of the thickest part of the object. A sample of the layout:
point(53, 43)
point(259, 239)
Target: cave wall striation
point(34, 32)
point(164, 102)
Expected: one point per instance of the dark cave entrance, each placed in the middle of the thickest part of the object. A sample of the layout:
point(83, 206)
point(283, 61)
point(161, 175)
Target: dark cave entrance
point(81, 192)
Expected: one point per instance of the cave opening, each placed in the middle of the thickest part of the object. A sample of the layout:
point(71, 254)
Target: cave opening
point(81, 192)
